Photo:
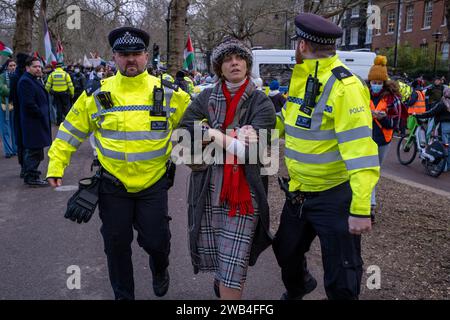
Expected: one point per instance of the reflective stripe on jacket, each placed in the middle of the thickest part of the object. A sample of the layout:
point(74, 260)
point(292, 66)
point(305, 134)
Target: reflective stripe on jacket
point(59, 81)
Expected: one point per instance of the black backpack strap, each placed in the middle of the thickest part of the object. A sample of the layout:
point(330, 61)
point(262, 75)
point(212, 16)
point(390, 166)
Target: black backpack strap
point(169, 85)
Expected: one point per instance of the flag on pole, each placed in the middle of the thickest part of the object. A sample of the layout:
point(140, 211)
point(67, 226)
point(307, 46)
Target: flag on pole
point(189, 58)
point(4, 50)
point(86, 62)
point(59, 51)
point(37, 55)
point(49, 56)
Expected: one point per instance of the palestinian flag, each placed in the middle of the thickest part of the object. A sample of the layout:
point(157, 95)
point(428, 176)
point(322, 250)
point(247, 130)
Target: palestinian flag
point(37, 55)
point(4, 50)
point(49, 56)
point(189, 58)
point(59, 51)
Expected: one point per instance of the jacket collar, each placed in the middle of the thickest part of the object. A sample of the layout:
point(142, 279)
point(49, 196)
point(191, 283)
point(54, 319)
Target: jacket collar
point(132, 83)
point(325, 64)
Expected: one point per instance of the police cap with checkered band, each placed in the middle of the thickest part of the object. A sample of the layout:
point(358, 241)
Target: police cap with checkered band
point(316, 29)
point(128, 39)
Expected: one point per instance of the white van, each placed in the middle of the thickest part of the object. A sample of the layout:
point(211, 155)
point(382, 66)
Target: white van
point(278, 64)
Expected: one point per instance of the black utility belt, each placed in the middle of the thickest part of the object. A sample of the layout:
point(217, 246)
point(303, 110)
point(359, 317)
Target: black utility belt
point(105, 175)
point(314, 194)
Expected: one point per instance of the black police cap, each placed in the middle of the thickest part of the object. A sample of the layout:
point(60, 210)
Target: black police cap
point(316, 29)
point(128, 39)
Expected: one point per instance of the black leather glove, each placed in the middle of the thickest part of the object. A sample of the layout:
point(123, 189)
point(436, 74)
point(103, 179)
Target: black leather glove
point(81, 206)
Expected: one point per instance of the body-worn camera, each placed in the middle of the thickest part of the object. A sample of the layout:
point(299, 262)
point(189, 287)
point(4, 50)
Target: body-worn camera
point(158, 103)
point(105, 99)
point(312, 91)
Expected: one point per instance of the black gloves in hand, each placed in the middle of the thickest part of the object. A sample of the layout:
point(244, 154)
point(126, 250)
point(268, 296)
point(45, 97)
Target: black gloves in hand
point(81, 206)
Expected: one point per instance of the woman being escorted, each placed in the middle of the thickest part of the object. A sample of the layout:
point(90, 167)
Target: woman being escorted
point(228, 209)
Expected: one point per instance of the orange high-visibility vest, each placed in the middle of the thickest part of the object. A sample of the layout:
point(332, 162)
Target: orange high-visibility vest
point(419, 106)
point(382, 106)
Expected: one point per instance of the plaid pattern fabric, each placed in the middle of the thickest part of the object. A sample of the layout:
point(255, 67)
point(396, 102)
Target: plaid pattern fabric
point(217, 103)
point(224, 243)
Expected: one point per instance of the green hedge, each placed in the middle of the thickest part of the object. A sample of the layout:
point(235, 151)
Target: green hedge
point(415, 62)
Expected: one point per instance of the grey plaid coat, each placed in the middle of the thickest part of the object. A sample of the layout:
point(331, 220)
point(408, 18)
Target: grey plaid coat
point(258, 111)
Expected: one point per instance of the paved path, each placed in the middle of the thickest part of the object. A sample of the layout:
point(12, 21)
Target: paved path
point(38, 245)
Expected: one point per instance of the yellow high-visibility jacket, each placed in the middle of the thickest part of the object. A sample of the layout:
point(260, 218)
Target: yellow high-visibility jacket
point(132, 144)
point(190, 84)
point(60, 81)
point(334, 144)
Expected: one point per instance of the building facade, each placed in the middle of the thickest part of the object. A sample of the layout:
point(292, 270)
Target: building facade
point(422, 24)
point(353, 24)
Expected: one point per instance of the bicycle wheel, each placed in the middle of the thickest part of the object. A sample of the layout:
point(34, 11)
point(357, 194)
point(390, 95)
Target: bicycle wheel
point(406, 150)
point(435, 169)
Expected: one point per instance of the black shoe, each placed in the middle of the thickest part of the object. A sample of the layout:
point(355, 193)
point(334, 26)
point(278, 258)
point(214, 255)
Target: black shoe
point(161, 283)
point(36, 183)
point(216, 288)
point(310, 285)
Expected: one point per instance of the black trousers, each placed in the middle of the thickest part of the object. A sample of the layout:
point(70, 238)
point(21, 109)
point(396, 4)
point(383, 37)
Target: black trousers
point(31, 160)
point(324, 215)
point(62, 103)
point(147, 212)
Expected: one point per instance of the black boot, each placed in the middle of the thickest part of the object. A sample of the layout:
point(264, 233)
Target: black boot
point(310, 284)
point(217, 288)
point(161, 283)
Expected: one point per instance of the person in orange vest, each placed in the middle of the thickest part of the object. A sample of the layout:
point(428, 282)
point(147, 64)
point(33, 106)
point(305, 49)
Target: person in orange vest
point(416, 103)
point(385, 103)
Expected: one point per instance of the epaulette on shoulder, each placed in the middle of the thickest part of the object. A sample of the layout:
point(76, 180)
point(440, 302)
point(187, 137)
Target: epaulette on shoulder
point(345, 76)
point(341, 73)
point(169, 85)
point(92, 88)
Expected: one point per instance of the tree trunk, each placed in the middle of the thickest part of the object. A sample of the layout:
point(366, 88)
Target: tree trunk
point(24, 26)
point(177, 41)
point(40, 31)
point(447, 15)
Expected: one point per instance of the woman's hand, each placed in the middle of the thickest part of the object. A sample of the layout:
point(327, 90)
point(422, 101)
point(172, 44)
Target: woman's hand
point(247, 135)
point(205, 128)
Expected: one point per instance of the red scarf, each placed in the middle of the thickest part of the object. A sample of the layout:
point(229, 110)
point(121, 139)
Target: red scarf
point(235, 189)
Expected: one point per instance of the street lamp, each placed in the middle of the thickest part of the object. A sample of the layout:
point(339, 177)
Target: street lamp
point(437, 36)
point(168, 33)
point(397, 34)
point(285, 28)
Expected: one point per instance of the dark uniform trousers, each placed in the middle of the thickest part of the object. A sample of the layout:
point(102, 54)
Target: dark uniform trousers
point(62, 103)
point(324, 214)
point(147, 212)
point(31, 160)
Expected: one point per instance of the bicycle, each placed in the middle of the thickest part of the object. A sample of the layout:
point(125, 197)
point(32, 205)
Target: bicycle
point(432, 151)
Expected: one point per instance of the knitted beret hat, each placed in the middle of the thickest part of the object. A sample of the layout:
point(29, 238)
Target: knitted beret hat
point(227, 47)
point(379, 70)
